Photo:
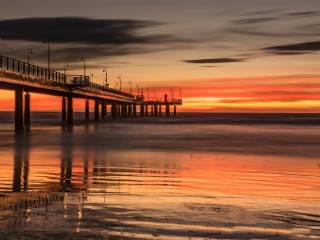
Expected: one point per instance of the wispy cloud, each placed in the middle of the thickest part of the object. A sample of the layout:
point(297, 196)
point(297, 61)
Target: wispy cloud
point(304, 13)
point(253, 20)
point(297, 48)
point(214, 60)
point(79, 30)
point(75, 37)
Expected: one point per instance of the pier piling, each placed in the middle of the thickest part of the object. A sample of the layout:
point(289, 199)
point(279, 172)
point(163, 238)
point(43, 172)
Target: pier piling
point(103, 111)
point(19, 124)
point(96, 110)
point(134, 110)
point(70, 111)
point(27, 113)
point(64, 110)
point(114, 110)
point(87, 110)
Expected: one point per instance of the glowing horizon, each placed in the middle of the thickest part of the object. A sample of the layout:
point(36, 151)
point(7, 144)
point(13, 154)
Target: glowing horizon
point(225, 56)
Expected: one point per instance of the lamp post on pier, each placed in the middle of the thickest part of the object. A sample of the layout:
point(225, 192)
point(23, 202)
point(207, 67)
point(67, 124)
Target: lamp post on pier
point(66, 66)
point(130, 84)
point(83, 59)
point(105, 70)
point(120, 82)
point(29, 53)
point(47, 43)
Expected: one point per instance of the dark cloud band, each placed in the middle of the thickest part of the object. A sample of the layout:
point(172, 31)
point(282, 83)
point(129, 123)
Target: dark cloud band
point(214, 60)
point(291, 49)
point(78, 30)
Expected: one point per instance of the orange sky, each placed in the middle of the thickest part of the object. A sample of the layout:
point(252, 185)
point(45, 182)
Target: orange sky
point(255, 94)
point(225, 56)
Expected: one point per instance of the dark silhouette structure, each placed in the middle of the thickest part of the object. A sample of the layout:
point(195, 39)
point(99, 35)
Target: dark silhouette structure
point(25, 78)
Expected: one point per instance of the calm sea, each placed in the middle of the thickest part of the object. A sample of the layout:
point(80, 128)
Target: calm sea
point(196, 176)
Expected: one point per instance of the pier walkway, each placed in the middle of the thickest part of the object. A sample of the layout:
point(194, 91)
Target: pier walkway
point(24, 79)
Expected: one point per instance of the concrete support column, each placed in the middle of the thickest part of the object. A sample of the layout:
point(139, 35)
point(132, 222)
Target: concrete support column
point(130, 111)
point(96, 110)
point(167, 105)
point(146, 110)
point(27, 112)
point(160, 110)
point(141, 110)
point(123, 110)
point(126, 107)
point(87, 110)
point(19, 124)
point(114, 110)
point(155, 110)
point(167, 110)
point(134, 110)
point(103, 111)
point(174, 110)
point(64, 110)
point(70, 111)
point(118, 110)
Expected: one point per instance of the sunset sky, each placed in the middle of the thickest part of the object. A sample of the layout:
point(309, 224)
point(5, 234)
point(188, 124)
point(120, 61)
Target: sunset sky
point(225, 55)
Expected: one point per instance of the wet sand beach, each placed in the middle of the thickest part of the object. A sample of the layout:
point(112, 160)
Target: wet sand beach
point(190, 177)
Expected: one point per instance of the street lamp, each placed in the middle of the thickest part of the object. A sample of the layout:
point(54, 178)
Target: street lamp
point(105, 70)
point(29, 53)
point(171, 91)
point(66, 66)
point(130, 84)
point(47, 43)
point(120, 81)
point(83, 59)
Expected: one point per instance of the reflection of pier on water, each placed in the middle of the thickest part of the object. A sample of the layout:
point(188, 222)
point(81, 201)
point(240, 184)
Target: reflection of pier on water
point(85, 176)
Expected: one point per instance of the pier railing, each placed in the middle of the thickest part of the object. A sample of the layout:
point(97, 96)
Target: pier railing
point(82, 81)
point(99, 87)
point(18, 66)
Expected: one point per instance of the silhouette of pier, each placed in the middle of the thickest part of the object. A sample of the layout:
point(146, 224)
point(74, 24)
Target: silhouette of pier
point(25, 78)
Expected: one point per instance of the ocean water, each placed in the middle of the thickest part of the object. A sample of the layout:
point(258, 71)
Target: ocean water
point(196, 176)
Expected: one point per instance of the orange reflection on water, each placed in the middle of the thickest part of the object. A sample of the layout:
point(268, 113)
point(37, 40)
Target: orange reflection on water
point(145, 172)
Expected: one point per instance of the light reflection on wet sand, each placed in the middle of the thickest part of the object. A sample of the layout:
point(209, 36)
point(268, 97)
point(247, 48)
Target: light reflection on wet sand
point(84, 184)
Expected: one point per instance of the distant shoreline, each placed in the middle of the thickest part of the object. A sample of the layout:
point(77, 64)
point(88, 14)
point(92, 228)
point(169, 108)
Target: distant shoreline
point(51, 118)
